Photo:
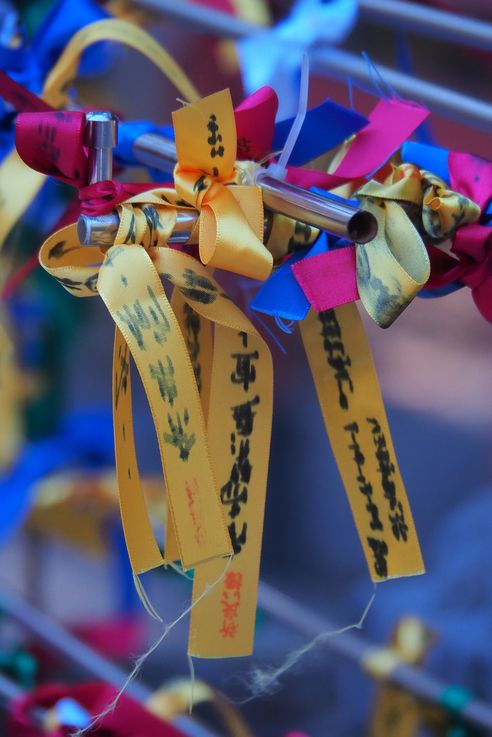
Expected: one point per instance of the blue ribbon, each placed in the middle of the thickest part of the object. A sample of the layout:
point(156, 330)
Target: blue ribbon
point(85, 440)
point(281, 296)
point(432, 158)
point(324, 127)
point(30, 63)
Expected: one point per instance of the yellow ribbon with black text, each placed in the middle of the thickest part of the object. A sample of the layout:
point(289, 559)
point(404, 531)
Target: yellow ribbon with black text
point(215, 508)
point(355, 420)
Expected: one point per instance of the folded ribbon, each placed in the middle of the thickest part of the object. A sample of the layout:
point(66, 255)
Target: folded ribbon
point(231, 218)
point(470, 260)
point(166, 342)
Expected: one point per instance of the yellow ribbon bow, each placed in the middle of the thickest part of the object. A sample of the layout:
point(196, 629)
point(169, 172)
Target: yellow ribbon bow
point(393, 267)
point(231, 217)
point(215, 470)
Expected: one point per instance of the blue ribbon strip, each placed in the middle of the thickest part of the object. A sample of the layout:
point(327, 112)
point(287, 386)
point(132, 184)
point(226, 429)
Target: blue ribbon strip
point(324, 127)
point(29, 64)
point(85, 440)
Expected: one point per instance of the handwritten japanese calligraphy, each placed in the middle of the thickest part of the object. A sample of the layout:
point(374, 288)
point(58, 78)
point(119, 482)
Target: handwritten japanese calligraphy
point(336, 355)
point(230, 604)
point(354, 417)
point(140, 320)
point(387, 469)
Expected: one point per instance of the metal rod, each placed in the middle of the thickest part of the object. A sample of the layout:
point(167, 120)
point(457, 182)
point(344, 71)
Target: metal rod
point(350, 645)
point(86, 660)
point(355, 647)
point(100, 136)
point(335, 215)
point(102, 229)
point(337, 63)
point(428, 22)
point(341, 64)
point(72, 650)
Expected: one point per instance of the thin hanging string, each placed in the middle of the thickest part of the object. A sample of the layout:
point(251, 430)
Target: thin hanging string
point(144, 598)
point(268, 330)
point(286, 327)
point(265, 681)
point(191, 666)
point(377, 79)
point(279, 169)
point(142, 658)
point(351, 92)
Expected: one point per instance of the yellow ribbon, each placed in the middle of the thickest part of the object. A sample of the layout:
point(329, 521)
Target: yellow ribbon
point(394, 266)
point(235, 385)
point(395, 712)
point(77, 507)
point(231, 218)
point(439, 210)
point(355, 420)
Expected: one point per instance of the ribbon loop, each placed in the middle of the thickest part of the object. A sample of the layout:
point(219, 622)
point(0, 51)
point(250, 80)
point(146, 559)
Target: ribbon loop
point(394, 266)
point(440, 210)
point(146, 224)
point(231, 219)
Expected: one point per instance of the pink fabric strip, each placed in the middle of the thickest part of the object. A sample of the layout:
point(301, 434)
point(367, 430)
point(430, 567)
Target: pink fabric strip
point(390, 124)
point(255, 120)
point(328, 280)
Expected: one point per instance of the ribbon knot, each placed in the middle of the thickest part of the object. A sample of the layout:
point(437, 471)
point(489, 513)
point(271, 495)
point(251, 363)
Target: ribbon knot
point(206, 176)
point(470, 260)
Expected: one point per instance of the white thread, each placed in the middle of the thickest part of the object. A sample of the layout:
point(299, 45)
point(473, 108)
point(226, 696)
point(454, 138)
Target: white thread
point(265, 681)
point(142, 658)
point(144, 598)
point(191, 666)
point(279, 169)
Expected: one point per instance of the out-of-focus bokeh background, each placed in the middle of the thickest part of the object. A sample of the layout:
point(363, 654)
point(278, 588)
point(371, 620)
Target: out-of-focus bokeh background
point(434, 366)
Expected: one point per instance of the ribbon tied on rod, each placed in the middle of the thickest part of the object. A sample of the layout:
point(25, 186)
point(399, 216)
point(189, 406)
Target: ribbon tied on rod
point(206, 165)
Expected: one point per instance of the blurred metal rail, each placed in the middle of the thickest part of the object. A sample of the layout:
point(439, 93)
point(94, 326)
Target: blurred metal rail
point(351, 645)
point(429, 22)
point(337, 63)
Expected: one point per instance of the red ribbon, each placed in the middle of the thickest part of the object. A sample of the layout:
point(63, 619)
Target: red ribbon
point(102, 197)
point(129, 719)
point(52, 143)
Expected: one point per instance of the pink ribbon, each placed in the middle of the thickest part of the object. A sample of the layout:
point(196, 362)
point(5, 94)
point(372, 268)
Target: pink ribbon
point(102, 197)
point(129, 719)
point(255, 123)
point(472, 244)
point(391, 122)
point(329, 279)
point(52, 143)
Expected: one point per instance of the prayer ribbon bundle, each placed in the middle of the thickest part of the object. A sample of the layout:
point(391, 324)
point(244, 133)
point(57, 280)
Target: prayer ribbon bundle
point(206, 370)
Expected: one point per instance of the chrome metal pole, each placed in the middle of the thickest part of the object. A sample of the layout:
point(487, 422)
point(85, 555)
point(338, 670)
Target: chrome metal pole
point(86, 661)
point(331, 214)
point(341, 64)
point(335, 215)
point(100, 136)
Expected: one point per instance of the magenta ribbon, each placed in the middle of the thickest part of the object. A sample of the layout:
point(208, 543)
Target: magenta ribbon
point(329, 279)
point(102, 197)
point(391, 122)
point(472, 244)
point(128, 719)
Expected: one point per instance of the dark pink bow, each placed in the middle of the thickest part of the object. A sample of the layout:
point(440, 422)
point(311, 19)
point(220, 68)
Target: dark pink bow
point(472, 244)
point(102, 197)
